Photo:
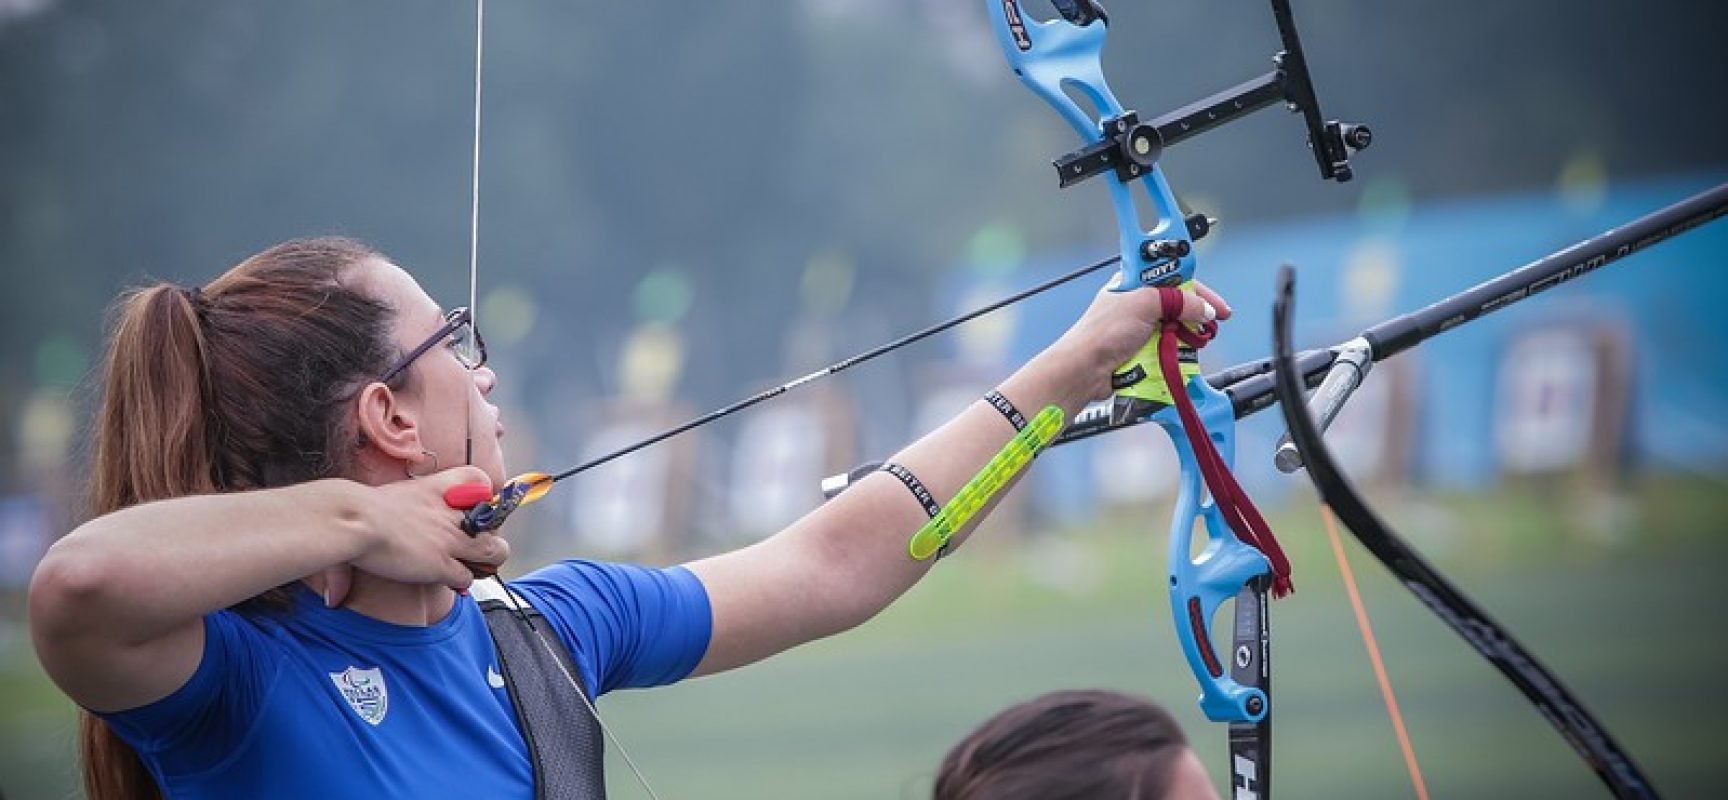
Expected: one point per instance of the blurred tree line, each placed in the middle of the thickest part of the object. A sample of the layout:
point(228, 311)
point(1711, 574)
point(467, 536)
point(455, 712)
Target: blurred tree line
point(733, 145)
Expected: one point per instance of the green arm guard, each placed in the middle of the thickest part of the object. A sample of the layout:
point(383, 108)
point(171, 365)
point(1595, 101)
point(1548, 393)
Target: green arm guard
point(1002, 467)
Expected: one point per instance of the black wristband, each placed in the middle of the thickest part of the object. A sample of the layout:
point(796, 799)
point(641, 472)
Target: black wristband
point(1008, 410)
point(925, 498)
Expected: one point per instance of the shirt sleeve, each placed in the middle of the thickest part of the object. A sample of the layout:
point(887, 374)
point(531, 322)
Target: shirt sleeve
point(626, 626)
point(195, 725)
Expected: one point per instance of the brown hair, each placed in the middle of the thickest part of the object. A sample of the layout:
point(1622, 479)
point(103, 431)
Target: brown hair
point(1066, 745)
point(238, 385)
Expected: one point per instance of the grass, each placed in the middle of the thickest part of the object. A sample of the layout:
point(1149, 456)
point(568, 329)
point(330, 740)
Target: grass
point(1624, 613)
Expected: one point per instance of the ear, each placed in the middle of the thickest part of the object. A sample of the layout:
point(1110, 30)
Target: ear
point(387, 424)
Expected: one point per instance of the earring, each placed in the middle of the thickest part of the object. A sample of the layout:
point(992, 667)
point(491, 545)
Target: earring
point(407, 469)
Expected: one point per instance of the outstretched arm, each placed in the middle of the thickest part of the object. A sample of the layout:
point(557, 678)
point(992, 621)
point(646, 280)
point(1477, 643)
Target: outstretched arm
point(847, 560)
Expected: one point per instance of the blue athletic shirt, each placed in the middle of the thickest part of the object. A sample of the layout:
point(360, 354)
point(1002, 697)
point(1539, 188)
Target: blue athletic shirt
point(328, 703)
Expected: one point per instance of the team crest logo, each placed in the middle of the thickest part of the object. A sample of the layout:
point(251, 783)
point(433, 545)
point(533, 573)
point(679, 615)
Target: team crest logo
point(365, 692)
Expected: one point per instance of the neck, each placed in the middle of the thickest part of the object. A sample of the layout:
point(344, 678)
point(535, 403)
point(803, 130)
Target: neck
point(398, 603)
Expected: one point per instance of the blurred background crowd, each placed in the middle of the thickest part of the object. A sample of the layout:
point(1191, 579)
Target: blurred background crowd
point(682, 204)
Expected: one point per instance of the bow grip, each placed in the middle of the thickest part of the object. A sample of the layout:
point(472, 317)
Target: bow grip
point(1140, 377)
point(1199, 584)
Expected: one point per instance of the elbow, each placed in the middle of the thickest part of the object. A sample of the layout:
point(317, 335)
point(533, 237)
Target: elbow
point(67, 584)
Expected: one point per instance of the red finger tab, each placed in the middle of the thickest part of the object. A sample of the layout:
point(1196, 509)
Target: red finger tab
point(467, 495)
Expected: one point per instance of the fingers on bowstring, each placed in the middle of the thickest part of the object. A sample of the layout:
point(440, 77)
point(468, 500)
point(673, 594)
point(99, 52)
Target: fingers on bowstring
point(484, 554)
point(487, 548)
point(475, 557)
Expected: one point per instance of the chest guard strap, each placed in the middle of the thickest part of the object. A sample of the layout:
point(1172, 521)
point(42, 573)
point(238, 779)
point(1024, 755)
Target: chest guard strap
point(565, 743)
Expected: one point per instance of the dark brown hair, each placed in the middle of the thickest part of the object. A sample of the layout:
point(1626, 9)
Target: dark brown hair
point(1066, 745)
point(237, 385)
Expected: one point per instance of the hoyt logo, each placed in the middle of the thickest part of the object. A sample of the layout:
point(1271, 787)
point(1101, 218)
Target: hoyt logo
point(1156, 273)
point(365, 692)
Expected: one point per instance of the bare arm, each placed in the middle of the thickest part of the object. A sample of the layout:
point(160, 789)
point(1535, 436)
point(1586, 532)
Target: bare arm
point(117, 606)
point(846, 561)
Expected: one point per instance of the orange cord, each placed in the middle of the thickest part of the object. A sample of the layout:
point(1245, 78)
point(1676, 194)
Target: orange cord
point(1374, 655)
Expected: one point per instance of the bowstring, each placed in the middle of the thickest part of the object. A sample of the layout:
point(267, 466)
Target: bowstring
point(1411, 765)
point(474, 326)
point(474, 209)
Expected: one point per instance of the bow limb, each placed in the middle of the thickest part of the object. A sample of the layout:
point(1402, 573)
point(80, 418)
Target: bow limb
point(1557, 704)
point(1225, 568)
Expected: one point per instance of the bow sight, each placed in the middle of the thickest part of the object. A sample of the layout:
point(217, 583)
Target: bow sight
point(1130, 147)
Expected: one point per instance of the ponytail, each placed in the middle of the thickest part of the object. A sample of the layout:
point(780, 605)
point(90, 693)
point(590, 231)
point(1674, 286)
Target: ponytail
point(152, 442)
point(112, 770)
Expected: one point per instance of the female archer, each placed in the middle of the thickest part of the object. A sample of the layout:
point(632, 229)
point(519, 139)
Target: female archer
point(270, 598)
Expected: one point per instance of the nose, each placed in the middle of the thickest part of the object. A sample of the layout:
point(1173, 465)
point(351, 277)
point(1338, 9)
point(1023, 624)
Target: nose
point(485, 379)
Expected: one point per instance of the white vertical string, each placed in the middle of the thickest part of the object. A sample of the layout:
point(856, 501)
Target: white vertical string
point(474, 206)
point(474, 217)
point(474, 322)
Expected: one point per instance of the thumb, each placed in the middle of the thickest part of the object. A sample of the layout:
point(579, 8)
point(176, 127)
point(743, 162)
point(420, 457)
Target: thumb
point(337, 581)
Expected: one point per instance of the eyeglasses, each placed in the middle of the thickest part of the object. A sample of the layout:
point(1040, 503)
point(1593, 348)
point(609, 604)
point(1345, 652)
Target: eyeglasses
point(465, 344)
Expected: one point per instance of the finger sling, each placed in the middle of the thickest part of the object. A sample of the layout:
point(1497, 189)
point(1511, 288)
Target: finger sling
point(1239, 512)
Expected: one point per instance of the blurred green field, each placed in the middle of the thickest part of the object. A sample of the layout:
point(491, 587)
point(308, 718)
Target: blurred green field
point(1626, 614)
